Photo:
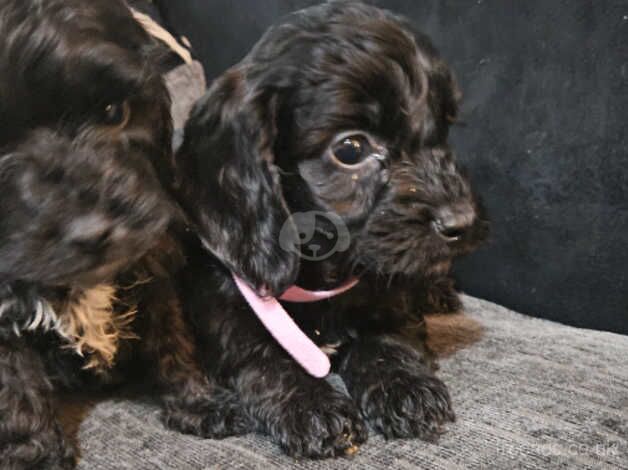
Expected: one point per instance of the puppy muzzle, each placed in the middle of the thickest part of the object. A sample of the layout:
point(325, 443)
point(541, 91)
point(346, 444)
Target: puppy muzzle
point(79, 214)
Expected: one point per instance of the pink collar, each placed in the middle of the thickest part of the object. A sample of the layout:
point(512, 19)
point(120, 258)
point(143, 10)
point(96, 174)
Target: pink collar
point(285, 330)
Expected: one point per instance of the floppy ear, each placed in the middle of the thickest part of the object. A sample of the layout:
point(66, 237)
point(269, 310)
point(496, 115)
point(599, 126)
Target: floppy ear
point(229, 186)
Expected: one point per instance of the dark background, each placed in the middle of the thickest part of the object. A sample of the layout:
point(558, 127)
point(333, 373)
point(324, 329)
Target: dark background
point(546, 103)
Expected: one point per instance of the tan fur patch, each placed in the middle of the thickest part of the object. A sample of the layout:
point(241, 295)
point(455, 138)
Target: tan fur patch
point(89, 322)
point(451, 332)
point(155, 30)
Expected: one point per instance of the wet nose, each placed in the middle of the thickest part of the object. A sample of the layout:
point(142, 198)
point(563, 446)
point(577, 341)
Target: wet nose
point(452, 223)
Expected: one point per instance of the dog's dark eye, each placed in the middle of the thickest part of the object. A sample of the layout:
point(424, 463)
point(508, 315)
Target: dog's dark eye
point(351, 150)
point(116, 114)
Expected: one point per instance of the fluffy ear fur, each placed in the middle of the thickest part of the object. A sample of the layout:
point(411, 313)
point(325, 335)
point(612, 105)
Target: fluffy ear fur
point(229, 186)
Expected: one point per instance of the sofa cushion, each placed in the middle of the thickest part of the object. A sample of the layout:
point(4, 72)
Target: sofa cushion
point(528, 392)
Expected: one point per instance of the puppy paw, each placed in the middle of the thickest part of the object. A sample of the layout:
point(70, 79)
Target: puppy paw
point(408, 406)
point(47, 450)
point(320, 423)
point(216, 417)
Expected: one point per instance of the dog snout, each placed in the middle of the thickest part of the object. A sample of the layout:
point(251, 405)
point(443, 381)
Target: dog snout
point(91, 231)
point(453, 222)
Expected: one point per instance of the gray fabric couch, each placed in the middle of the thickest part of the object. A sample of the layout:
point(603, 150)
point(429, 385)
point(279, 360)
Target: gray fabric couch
point(528, 393)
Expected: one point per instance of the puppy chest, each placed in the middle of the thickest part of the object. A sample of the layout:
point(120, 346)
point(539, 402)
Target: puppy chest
point(90, 322)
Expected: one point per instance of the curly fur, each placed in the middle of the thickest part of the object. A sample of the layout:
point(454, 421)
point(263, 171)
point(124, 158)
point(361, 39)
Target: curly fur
point(85, 320)
point(91, 326)
point(258, 148)
point(85, 138)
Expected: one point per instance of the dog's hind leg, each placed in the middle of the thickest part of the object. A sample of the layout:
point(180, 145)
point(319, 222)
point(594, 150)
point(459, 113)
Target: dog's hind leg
point(30, 436)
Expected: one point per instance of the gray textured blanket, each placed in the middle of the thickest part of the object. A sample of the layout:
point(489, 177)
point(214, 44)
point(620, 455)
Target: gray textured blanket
point(528, 394)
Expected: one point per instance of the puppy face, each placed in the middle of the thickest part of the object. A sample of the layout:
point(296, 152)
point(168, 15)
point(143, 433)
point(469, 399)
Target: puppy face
point(342, 109)
point(84, 140)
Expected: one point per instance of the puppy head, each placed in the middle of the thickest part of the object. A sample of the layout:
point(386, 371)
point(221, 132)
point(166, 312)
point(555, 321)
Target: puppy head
point(84, 139)
point(340, 109)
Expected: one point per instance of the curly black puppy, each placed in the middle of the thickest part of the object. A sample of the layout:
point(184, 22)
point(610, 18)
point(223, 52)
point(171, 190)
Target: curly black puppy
point(86, 252)
point(340, 114)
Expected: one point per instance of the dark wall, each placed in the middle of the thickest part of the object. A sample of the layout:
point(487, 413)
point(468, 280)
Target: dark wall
point(546, 140)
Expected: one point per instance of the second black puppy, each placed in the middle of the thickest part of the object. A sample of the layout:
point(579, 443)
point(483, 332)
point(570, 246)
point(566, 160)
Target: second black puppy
point(87, 232)
point(343, 111)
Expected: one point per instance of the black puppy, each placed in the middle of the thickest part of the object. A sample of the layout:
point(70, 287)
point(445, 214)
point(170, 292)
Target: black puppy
point(85, 255)
point(343, 111)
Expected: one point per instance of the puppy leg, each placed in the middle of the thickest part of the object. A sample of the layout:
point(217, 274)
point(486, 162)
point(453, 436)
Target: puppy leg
point(396, 390)
point(193, 404)
point(30, 436)
point(306, 416)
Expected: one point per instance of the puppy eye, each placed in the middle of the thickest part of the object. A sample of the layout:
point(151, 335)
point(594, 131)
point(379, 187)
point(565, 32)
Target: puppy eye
point(351, 150)
point(116, 114)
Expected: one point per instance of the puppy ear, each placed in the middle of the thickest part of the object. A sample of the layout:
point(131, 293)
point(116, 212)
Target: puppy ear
point(230, 188)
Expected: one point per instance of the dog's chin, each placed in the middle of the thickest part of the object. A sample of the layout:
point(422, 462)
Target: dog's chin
point(425, 257)
point(100, 275)
point(427, 271)
point(440, 268)
point(104, 272)
point(403, 257)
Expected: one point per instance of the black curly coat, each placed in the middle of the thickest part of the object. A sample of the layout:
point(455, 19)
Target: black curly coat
point(343, 110)
point(86, 253)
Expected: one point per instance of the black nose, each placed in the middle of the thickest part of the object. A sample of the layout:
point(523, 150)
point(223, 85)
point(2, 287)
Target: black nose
point(452, 223)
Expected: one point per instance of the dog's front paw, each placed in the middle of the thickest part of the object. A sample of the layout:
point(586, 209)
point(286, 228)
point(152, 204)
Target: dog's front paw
point(216, 417)
point(406, 405)
point(45, 450)
point(320, 423)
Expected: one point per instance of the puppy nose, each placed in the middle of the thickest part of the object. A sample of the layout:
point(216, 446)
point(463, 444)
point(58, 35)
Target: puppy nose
point(452, 223)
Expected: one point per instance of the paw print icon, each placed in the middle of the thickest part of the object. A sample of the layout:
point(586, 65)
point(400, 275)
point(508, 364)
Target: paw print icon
point(318, 235)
